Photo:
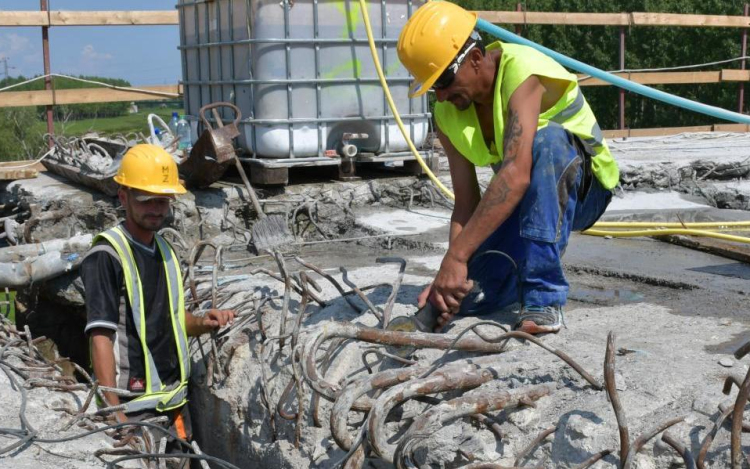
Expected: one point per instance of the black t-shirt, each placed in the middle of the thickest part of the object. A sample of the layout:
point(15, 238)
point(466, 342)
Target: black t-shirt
point(106, 301)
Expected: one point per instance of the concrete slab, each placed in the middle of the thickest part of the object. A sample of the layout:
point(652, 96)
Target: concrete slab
point(396, 221)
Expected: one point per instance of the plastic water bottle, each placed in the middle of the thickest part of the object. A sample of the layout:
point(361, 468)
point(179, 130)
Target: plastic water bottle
point(183, 134)
point(158, 136)
point(173, 123)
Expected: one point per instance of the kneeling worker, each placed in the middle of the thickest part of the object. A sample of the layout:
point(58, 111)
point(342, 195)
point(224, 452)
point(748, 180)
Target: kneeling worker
point(136, 318)
point(518, 111)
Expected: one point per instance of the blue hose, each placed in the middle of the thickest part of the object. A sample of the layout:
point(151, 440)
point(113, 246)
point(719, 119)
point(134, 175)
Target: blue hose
point(581, 67)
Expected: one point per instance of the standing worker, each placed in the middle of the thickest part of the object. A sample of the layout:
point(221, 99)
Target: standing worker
point(515, 109)
point(136, 318)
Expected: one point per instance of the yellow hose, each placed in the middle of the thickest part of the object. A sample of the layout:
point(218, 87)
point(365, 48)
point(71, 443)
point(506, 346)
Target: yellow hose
point(669, 231)
point(392, 105)
point(654, 224)
point(674, 228)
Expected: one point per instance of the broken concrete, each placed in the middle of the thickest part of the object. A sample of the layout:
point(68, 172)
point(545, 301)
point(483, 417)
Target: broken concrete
point(678, 315)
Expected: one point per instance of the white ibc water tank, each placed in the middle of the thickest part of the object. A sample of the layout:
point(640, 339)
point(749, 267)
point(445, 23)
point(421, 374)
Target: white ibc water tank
point(301, 72)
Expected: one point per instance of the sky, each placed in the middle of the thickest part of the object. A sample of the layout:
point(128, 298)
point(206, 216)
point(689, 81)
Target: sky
point(143, 55)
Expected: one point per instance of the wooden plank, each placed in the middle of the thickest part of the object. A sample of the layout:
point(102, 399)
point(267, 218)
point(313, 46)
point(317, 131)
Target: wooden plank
point(37, 166)
point(673, 19)
point(83, 96)
point(735, 75)
point(658, 78)
point(731, 128)
point(13, 174)
point(673, 78)
point(89, 18)
point(537, 17)
point(614, 19)
point(655, 132)
point(735, 251)
point(170, 17)
point(23, 18)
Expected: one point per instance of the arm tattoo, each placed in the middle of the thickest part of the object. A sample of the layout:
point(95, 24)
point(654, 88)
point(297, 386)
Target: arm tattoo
point(511, 142)
point(511, 136)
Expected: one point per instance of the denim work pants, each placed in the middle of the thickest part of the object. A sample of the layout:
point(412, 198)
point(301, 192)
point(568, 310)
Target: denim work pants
point(536, 234)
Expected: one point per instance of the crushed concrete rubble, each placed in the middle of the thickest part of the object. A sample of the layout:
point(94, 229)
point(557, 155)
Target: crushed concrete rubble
point(650, 372)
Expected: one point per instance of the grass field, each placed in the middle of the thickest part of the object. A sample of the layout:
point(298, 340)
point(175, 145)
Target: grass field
point(9, 311)
point(112, 125)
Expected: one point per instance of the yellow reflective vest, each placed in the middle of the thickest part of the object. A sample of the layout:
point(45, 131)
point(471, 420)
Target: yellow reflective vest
point(572, 112)
point(157, 395)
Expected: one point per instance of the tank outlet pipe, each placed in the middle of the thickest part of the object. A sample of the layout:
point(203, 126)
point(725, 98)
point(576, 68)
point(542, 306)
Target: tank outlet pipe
point(647, 91)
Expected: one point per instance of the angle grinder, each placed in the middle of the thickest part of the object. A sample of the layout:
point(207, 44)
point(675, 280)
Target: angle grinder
point(424, 320)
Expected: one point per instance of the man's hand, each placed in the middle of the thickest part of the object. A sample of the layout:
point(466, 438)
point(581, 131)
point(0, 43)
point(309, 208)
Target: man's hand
point(213, 319)
point(448, 289)
point(216, 318)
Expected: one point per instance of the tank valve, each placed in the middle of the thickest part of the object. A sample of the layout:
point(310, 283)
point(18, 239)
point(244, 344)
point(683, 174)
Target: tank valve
point(349, 150)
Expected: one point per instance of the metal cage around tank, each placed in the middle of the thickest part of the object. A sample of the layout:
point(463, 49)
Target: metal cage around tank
point(302, 74)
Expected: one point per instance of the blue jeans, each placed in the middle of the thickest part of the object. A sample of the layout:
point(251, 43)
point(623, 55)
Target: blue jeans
point(536, 234)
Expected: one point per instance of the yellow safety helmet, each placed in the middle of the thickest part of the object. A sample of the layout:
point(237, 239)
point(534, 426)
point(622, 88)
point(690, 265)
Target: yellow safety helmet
point(430, 41)
point(151, 169)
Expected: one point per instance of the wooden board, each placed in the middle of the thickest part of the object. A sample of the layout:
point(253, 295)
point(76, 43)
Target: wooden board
point(614, 19)
point(7, 174)
point(659, 78)
point(89, 18)
point(538, 17)
point(86, 95)
point(659, 131)
point(736, 251)
point(170, 17)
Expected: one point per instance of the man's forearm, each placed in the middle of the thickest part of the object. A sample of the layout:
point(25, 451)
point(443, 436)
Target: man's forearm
point(103, 358)
point(194, 327)
point(502, 196)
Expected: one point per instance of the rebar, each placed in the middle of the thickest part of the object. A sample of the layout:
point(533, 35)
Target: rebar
point(427, 423)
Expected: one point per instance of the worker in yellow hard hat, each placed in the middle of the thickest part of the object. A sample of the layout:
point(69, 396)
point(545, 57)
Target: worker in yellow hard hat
point(136, 318)
point(521, 113)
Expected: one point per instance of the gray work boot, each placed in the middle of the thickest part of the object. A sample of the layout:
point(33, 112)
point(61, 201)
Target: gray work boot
point(539, 319)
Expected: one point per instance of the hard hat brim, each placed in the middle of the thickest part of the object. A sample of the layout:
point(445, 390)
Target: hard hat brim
point(177, 189)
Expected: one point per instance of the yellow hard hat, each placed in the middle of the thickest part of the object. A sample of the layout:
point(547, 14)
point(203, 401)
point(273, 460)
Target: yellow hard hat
point(430, 41)
point(151, 169)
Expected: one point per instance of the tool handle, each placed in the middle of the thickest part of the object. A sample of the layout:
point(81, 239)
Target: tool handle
point(213, 107)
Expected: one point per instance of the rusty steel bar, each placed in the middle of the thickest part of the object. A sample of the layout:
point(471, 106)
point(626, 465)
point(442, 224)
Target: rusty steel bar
point(531, 446)
point(593, 459)
point(332, 329)
point(614, 398)
point(354, 395)
point(360, 294)
point(723, 414)
point(645, 437)
point(396, 286)
point(737, 417)
point(426, 424)
point(745, 426)
point(333, 281)
point(440, 381)
point(687, 456)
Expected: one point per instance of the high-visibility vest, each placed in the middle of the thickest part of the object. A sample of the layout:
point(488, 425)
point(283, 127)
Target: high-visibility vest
point(572, 112)
point(157, 395)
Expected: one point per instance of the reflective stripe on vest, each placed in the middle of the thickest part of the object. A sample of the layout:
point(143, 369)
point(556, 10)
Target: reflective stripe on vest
point(517, 63)
point(157, 395)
